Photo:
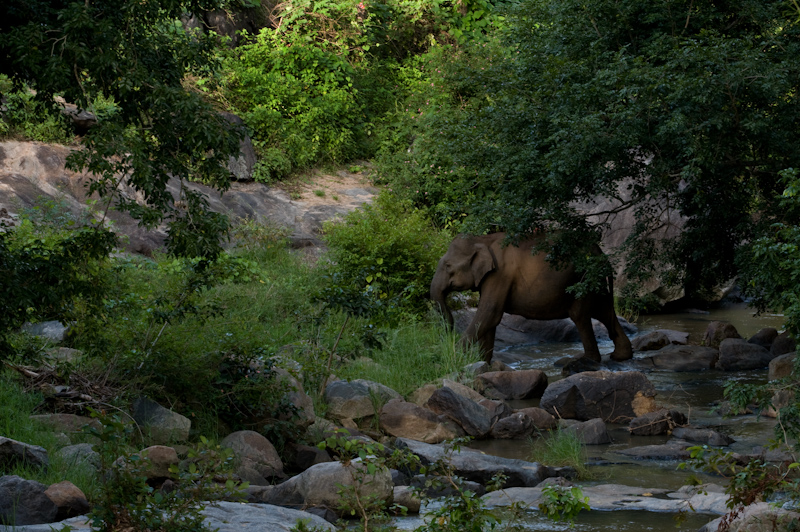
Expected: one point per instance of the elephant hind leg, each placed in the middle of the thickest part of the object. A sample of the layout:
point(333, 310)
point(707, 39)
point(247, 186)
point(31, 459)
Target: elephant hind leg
point(579, 313)
point(608, 317)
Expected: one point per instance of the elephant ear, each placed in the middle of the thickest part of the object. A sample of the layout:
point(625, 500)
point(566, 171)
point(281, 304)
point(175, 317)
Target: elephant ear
point(482, 263)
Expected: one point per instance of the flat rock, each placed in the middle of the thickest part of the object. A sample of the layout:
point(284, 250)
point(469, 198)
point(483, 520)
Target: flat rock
point(613, 397)
point(479, 467)
point(672, 450)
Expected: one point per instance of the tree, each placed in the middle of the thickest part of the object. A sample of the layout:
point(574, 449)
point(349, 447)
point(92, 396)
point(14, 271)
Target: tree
point(134, 54)
point(689, 106)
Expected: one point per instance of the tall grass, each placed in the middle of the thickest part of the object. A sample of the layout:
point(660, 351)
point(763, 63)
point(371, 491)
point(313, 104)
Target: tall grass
point(560, 448)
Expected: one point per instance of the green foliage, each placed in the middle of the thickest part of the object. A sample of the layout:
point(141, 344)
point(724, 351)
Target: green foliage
point(560, 448)
point(23, 116)
point(561, 503)
point(127, 500)
point(382, 259)
point(128, 58)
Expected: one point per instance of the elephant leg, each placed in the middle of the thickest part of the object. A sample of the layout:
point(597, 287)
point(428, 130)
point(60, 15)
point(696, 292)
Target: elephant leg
point(608, 317)
point(483, 327)
point(579, 313)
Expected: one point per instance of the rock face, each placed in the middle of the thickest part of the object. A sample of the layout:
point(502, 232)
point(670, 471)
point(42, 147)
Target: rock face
point(407, 420)
point(658, 422)
point(14, 452)
point(736, 354)
point(258, 459)
point(613, 397)
point(681, 358)
point(476, 420)
point(505, 385)
point(717, 331)
point(320, 485)
point(23, 502)
point(354, 399)
point(479, 467)
point(162, 425)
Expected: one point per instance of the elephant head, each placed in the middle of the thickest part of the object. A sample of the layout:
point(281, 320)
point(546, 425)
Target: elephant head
point(463, 267)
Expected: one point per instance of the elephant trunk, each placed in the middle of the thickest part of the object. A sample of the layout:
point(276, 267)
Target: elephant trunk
point(439, 291)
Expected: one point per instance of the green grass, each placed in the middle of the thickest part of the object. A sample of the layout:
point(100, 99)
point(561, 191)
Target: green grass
point(560, 448)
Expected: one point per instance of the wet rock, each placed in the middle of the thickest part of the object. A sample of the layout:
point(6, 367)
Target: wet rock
point(258, 460)
point(592, 432)
point(23, 502)
point(475, 419)
point(69, 500)
point(764, 337)
point(514, 427)
point(160, 424)
point(322, 485)
point(354, 399)
point(704, 436)
point(680, 358)
point(717, 331)
point(613, 397)
point(655, 423)
point(478, 467)
point(407, 420)
point(13, 452)
point(574, 366)
point(781, 366)
point(652, 341)
point(506, 385)
point(783, 343)
point(541, 418)
point(736, 354)
point(672, 450)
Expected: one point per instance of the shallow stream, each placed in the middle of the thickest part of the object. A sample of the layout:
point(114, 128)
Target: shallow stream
point(694, 394)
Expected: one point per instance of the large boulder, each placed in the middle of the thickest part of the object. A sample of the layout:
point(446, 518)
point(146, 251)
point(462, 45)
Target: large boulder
point(407, 420)
point(356, 399)
point(781, 366)
point(160, 424)
point(764, 337)
point(613, 397)
point(462, 390)
point(258, 460)
point(717, 331)
point(783, 343)
point(24, 502)
point(505, 385)
point(69, 500)
point(659, 422)
point(13, 452)
point(159, 459)
point(476, 420)
point(736, 354)
point(478, 467)
point(680, 358)
point(324, 484)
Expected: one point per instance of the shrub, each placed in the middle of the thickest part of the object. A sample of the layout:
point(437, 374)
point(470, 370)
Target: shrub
point(385, 254)
point(21, 115)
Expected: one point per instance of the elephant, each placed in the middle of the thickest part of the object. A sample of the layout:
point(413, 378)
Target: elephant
point(515, 280)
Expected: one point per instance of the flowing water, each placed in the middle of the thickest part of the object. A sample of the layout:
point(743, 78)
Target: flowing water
point(695, 394)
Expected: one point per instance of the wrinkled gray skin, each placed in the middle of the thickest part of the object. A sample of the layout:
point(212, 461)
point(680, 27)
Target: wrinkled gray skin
point(510, 279)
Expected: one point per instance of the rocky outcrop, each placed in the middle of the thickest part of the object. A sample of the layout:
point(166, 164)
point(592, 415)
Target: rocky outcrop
point(613, 397)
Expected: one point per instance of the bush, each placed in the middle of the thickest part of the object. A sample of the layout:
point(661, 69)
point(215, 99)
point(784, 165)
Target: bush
point(384, 255)
point(22, 116)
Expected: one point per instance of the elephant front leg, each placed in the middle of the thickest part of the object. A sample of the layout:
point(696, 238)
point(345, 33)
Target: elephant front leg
point(482, 330)
point(583, 321)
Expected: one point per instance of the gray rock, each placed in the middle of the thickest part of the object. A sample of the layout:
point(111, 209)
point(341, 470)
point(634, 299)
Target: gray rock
point(160, 424)
point(407, 420)
point(356, 399)
point(680, 358)
point(651, 341)
point(258, 459)
point(479, 467)
point(781, 366)
point(658, 422)
point(241, 167)
point(717, 331)
point(438, 486)
point(704, 436)
point(758, 517)
point(464, 391)
point(497, 409)
point(24, 502)
point(80, 453)
point(407, 497)
point(542, 419)
point(764, 337)
point(514, 427)
point(783, 343)
point(613, 397)
point(321, 484)
point(299, 398)
point(672, 450)
point(14, 452)
point(506, 385)
point(592, 432)
point(736, 354)
point(52, 330)
point(473, 418)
